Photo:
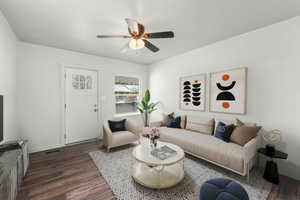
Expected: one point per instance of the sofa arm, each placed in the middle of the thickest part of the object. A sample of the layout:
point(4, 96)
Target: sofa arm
point(250, 148)
point(156, 124)
point(131, 127)
point(107, 135)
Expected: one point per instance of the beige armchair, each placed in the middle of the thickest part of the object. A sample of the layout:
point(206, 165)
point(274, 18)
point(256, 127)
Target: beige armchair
point(114, 139)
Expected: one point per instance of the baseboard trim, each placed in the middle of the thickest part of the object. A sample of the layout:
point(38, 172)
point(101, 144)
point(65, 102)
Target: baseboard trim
point(66, 145)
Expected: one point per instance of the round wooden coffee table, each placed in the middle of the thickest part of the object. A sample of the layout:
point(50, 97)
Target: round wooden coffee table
point(155, 173)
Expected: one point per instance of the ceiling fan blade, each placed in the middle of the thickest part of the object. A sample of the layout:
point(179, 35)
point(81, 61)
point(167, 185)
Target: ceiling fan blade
point(113, 36)
point(134, 27)
point(151, 46)
point(141, 30)
point(166, 34)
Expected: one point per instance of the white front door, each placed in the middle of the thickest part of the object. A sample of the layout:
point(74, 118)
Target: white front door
point(81, 105)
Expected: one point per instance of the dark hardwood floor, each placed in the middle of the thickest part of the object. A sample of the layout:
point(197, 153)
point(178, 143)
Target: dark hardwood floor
point(70, 174)
point(65, 174)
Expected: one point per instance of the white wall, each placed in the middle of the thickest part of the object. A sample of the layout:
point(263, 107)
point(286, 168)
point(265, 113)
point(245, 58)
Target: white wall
point(8, 78)
point(39, 89)
point(273, 60)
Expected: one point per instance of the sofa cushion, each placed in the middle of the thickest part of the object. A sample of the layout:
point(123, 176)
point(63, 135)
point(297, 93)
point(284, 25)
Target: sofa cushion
point(243, 133)
point(200, 124)
point(117, 125)
point(224, 131)
point(205, 146)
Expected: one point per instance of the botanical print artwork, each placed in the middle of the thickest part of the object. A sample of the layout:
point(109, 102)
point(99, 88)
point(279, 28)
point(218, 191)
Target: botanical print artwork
point(192, 92)
point(81, 82)
point(228, 91)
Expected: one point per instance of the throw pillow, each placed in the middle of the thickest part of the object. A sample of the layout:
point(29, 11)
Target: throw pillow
point(166, 119)
point(116, 126)
point(183, 121)
point(174, 122)
point(225, 121)
point(224, 131)
point(242, 134)
point(240, 123)
point(200, 124)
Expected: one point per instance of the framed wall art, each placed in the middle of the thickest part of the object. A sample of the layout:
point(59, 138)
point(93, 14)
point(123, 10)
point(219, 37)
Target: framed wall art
point(228, 91)
point(192, 92)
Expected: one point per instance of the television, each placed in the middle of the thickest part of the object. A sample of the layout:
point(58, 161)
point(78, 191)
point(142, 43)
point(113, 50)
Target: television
point(1, 118)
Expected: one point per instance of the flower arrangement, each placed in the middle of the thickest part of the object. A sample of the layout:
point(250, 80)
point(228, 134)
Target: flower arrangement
point(153, 136)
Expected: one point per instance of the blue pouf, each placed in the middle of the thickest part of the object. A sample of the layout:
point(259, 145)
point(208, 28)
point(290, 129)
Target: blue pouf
point(222, 189)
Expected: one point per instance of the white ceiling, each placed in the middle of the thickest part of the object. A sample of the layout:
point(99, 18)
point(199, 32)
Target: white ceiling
point(73, 24)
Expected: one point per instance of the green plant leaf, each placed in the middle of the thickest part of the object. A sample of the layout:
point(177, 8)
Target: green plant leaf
point(147, 96)
point(140, 109)
point(144, 105)
point(152, 105)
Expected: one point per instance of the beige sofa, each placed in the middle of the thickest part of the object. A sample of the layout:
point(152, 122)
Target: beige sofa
point(114, 139)
point(196, 138)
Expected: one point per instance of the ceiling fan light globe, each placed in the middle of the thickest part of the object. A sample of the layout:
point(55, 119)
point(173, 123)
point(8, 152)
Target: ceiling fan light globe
point(136, 44)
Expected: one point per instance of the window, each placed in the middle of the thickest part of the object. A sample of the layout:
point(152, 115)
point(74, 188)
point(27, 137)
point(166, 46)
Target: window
point(127, 91)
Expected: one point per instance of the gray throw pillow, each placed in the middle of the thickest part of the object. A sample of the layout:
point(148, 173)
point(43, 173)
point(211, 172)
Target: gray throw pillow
point(166, 119)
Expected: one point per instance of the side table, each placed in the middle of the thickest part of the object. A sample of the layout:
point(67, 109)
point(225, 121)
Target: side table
point(271, 169)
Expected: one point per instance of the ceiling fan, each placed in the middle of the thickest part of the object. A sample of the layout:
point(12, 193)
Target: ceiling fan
point(138, 37)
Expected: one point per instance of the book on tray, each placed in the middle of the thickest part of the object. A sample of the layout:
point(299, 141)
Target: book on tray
point(163, 152)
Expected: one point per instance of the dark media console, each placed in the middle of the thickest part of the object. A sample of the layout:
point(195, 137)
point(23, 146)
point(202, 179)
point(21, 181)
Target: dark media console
point(1, 118)
point(9, 147)
point(14, 162)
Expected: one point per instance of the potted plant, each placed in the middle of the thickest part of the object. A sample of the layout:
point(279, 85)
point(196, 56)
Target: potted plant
point(146, 107)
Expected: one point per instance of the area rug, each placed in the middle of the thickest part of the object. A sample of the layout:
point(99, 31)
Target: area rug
point(116, 168)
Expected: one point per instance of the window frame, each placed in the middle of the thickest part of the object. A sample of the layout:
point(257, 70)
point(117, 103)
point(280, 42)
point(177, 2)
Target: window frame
point(114, 95)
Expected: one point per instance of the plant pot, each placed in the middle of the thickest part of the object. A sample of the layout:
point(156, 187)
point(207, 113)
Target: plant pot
point(146, 119)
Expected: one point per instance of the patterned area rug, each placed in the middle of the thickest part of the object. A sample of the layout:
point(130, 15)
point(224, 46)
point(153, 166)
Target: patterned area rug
point(116, 168)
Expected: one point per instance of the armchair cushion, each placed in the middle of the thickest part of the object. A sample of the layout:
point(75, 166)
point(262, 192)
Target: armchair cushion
point(123, 137)
point(118, 138)
point(116, 126)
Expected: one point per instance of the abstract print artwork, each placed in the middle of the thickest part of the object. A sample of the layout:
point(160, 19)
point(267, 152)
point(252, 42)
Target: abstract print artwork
point(228, 91)
point(192, 92)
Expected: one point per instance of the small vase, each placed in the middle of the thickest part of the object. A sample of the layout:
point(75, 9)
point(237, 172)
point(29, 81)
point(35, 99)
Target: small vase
point(153, 143)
